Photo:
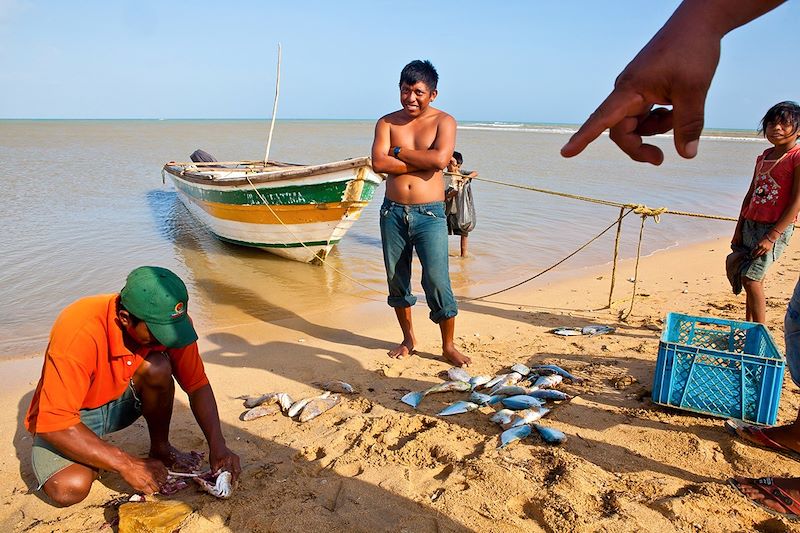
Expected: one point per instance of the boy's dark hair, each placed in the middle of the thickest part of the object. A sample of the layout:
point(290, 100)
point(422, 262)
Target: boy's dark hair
point(459, 159)
point(787, 112)
point(417, 71)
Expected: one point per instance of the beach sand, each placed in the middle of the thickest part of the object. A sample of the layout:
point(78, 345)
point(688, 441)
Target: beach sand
point(374, 464)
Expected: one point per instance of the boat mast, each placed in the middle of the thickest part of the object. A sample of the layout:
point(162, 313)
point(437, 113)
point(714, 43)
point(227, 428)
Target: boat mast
point(274, 106)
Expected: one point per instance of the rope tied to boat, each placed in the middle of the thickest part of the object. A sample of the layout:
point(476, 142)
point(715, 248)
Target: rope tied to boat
point(642, 210)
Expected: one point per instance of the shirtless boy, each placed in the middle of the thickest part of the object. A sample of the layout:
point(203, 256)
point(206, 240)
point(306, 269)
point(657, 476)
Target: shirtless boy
point(412, 146)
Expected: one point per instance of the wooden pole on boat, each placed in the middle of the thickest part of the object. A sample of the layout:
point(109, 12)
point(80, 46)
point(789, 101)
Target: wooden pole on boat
point(274, 106)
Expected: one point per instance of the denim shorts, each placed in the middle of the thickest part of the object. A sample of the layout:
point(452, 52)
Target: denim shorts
point(420, 227)
point(791, 333)
point(113, 416)
point(752, 233)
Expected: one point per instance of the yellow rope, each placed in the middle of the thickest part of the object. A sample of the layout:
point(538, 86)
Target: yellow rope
point(656, 211)
point(298, 239)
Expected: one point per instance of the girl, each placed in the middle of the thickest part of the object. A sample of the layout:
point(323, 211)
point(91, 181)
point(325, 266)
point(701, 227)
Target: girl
point(771, 204)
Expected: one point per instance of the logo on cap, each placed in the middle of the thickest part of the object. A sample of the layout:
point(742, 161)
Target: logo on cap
point(180, 308)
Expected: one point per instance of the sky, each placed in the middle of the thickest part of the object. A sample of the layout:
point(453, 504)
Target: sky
point(513, 61)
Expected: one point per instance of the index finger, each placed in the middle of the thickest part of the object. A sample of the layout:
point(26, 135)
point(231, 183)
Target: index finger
point(613, 109)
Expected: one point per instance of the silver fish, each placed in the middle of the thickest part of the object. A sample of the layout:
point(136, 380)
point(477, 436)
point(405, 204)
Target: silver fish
point(567, 332)
point(458, 374)
point(550, 394)
point(597, 330)
point(514, 434)
point(526, 416)
point(319, 405)
point(555, 369)
point(550, 435)
point(494, 381)
point(259, 411)
point(503, 416)
point(520, 402)
point(284, 400)
point(510, 390)
point(414, 398)
point(548, 382)
point(479, 398)
point(335, 385)
point(477, 381)
point(519, 368)
point(298, 406)
point(223, 485)
point(255, 401)
point(511, 378)
point(458, 408)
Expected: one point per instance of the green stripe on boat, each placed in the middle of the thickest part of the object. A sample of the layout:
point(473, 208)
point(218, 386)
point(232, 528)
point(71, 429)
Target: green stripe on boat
point(320, 193)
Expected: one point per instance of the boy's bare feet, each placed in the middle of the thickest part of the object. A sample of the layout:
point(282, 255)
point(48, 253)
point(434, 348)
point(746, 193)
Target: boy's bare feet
point(405, 349)
point(455, 357)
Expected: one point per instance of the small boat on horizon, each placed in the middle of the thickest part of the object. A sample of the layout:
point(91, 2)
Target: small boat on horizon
point(299, 212)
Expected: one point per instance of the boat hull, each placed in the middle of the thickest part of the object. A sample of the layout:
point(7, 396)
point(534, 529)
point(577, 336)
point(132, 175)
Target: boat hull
point(299, 216)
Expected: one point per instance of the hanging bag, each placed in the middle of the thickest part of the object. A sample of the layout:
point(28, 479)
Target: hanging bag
point(466, 208)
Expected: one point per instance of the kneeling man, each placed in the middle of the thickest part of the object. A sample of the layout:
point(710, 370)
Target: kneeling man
point(110, 359)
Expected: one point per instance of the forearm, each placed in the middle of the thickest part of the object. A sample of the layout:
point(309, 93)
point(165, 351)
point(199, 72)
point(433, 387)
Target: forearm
point(786, 220)
point(425, 159)
point(81, 445)
point(390, 165)
point(204, 408)
point(719, 16)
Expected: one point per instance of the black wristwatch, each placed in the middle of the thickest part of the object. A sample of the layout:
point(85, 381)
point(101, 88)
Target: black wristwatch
point(396, 151)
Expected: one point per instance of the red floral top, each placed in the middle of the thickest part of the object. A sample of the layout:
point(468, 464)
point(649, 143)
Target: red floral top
point(772, 190)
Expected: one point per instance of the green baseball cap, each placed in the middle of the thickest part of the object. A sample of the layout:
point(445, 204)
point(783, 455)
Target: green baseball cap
point(159, 298)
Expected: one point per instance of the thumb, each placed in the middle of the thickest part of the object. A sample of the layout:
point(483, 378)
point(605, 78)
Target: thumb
point(688, 119)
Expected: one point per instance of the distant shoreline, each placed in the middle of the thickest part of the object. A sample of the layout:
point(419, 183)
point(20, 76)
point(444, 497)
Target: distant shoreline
point(500, 125)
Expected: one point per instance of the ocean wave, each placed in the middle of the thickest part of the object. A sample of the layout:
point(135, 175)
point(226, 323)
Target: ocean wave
point(520, 127)
point(565, 130)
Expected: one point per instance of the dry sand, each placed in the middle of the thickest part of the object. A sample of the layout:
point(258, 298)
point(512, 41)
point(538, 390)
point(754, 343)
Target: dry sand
point(374, 464)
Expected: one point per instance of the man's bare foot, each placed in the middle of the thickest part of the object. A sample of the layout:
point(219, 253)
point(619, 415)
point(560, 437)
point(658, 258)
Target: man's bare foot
point(455, 357)
point(405, 349)
point(176, 460)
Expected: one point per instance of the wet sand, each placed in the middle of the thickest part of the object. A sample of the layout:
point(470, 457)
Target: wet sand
point(374, 464)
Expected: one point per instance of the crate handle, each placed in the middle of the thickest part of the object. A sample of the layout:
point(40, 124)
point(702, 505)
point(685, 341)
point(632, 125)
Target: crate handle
point(713, 326)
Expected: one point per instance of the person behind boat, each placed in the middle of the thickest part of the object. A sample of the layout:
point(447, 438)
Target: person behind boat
point(451, 207)
point(677, 67)
point(110, 359)
point(770, 207)
point(412, 146)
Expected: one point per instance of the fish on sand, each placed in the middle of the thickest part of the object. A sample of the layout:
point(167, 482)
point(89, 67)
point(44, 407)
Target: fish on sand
point(319, 405)
point(414, 398)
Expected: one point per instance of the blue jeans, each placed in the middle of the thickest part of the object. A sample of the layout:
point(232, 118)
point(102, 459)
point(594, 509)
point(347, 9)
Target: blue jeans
point(422, 227)
point(791, 332)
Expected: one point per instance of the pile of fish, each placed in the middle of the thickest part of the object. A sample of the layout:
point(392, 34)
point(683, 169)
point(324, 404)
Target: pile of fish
point(521, 393)
point(305, 409)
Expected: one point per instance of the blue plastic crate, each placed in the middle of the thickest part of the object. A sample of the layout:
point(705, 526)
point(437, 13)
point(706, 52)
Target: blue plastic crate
point(719, 367)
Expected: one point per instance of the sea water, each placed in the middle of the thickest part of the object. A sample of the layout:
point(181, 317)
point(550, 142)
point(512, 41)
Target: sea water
point(84, 204)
